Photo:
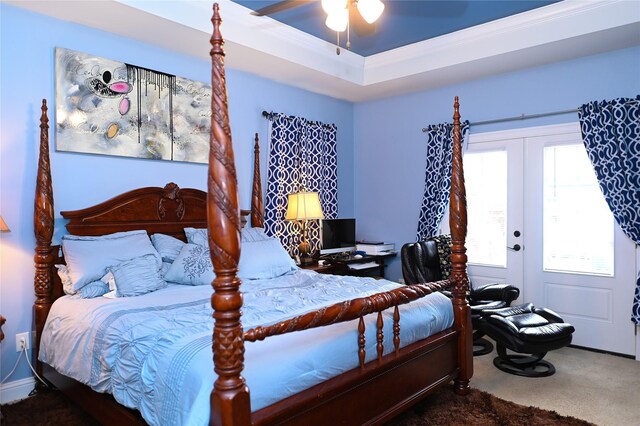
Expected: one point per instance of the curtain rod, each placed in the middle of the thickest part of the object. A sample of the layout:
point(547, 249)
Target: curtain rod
point(518, 117)
point(271, 115)
point(527, 116)
point(524, 117)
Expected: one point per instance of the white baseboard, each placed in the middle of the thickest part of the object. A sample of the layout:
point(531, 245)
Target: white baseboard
point(16, 390)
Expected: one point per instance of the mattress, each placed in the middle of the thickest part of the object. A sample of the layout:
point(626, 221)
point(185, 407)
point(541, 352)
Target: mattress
point(153, 352)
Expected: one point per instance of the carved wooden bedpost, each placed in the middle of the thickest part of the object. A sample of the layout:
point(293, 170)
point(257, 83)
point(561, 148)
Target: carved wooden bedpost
point(458, 221)
point(230, 396)
point(43, 229)
point(257, 209)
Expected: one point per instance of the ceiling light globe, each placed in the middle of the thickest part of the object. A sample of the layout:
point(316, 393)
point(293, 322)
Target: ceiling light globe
point(370, 10)
point(338, 20)
point(330, 6)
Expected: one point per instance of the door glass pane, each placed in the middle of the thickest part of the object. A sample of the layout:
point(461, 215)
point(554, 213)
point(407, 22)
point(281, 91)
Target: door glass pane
point(577, 223)
point(485, 175)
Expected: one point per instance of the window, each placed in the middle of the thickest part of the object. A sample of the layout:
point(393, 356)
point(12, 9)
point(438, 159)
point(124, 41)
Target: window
point(577, 223)
point(486, 181)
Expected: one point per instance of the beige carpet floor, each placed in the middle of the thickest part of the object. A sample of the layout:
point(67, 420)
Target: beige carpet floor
point(600, 388)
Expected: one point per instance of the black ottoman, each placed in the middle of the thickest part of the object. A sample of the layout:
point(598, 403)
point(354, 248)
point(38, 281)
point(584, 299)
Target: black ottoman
point(529, 330)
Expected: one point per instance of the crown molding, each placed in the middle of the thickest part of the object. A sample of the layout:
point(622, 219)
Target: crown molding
point(266, 47)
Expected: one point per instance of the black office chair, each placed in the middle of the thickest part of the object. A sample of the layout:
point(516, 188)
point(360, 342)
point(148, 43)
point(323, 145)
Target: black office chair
point(430, 260)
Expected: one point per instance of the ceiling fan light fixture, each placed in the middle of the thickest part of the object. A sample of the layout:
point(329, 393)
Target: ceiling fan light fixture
point(331, 6)
point(370, 9)
point(337, 20)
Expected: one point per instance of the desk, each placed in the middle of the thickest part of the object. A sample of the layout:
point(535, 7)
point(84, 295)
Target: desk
point(346, 265)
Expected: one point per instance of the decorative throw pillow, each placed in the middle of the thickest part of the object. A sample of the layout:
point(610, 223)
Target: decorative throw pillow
point(264, 259)
point(137, 276)
point(67, 284)
point(169, 247)
point(199, 236)
point(93, 289)
point(443, 243)
point(88, 258)
point(192, 266)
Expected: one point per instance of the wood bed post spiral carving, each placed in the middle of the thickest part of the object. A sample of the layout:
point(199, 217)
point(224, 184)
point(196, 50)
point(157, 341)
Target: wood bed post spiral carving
point(460, 281)
point(230, 403)
point(43, 229)
point(257, 209)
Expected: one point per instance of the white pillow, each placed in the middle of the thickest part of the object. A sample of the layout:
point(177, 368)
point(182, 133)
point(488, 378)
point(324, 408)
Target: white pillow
point(264, 259)
point(192, 266)
point(88, 258)
point(67, 284)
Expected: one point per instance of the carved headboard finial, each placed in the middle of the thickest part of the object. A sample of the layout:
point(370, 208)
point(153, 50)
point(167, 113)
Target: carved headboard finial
point(171, 191)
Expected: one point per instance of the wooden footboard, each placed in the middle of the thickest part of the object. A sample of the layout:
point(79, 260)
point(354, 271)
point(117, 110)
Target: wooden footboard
point(374, 394)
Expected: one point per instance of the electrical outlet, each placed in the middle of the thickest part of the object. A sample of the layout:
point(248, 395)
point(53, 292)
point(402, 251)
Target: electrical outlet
point(23, 340)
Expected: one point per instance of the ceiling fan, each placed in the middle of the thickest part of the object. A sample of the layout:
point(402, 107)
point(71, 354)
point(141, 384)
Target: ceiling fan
point(338, 14)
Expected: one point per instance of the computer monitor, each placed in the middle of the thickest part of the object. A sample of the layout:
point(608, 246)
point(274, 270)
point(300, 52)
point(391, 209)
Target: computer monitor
point(338, 235)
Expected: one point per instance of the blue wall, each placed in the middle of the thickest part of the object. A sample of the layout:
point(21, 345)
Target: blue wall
point(80, 180)
point(390, 146)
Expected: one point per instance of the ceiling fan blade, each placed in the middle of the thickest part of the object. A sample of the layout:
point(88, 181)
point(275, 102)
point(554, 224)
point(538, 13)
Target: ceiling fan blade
point(279, 7)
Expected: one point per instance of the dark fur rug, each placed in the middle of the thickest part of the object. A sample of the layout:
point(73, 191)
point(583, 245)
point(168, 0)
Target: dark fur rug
point(442, 408)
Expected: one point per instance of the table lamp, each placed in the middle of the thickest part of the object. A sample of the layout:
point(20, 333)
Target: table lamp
point(304, 206)
point(3, 225)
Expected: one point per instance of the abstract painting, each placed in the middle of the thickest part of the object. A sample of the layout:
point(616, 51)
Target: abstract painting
point(113, 108)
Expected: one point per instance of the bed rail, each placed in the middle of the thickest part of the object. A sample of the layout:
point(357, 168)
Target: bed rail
point(349, 310)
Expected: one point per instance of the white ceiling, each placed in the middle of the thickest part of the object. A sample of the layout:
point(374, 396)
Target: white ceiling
point(266, 47)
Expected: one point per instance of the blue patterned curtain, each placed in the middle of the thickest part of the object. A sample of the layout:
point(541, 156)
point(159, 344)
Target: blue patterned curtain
point(611, 135)
point(437, 183)
point(302, 156)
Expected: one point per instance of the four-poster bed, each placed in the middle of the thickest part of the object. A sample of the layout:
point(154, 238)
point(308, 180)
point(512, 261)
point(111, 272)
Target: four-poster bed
point(383, 384)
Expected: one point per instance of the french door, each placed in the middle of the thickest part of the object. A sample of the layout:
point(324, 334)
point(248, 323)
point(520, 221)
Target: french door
point(495, 240)
point(537, 220)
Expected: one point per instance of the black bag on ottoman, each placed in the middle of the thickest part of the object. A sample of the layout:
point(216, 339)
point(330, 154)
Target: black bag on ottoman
point(529, 330)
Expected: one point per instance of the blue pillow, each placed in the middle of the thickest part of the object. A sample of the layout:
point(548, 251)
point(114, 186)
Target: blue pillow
point(200, 235)
point(197, 236)
point(137, 276)
point(264, 259)
point(94, 289)
point(169, 247)
point(89, 257)
point(253, 234)
point(192, 266)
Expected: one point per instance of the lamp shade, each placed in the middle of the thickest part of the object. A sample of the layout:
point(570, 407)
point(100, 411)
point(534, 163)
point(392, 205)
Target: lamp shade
point(3, 225)
point(370, 9)
point(303, 206)
point(338, 20)
point(330, 6)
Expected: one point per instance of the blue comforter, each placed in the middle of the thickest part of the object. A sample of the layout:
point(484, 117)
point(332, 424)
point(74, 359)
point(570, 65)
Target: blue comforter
point(153, 352)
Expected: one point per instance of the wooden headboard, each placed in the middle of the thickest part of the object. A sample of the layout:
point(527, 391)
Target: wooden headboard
point(165, 210)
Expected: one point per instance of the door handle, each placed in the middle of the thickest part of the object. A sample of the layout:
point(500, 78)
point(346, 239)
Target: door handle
point(516, 247)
